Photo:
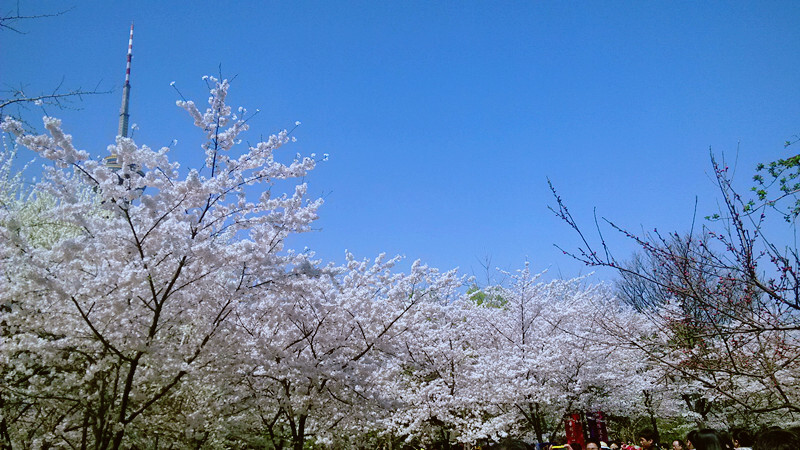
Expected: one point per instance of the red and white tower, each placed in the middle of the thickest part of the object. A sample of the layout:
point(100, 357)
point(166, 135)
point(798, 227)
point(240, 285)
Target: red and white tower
point(111, 161)
point(126, 91)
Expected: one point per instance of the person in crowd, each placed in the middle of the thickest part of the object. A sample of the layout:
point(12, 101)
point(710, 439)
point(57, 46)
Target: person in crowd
point(689, 438)
point(777, 439)
point(677, 445)
point(647, 439)
point(614, 445)
point(561, 444)
point(742, 439)
point(725, 439)
point(707, 439)
point(592, 444)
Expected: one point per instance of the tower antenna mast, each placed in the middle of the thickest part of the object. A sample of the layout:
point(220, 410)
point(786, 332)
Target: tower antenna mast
point(126, 91)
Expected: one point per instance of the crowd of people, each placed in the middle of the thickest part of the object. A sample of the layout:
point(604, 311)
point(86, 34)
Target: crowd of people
point(702, 439)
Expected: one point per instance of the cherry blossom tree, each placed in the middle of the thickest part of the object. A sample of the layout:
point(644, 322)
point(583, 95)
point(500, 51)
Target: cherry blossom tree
point(549, 357)
point(319, 349)
point(104, 328)
point(514, 366)
point(438, 377)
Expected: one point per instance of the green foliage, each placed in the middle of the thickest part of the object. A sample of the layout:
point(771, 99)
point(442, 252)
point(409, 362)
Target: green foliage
point(29, 205)
point(487, 299)
point(783, 175)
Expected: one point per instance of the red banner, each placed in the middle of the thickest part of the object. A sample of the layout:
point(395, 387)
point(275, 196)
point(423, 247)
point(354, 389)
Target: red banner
point(574, 429)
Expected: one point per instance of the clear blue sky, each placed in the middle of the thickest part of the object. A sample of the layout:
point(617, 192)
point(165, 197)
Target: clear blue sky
point(443, 119)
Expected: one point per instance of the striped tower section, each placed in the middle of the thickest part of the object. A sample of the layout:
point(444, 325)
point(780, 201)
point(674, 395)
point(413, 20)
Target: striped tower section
point(111, 161)
point(126, 91)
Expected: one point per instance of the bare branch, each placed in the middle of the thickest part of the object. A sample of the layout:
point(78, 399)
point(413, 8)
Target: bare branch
point(8, 21)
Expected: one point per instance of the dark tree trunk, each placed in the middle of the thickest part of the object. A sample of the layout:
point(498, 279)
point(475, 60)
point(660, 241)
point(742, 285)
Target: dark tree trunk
point(648, 403)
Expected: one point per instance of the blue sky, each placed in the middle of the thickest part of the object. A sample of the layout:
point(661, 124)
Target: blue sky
point(443, 119)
